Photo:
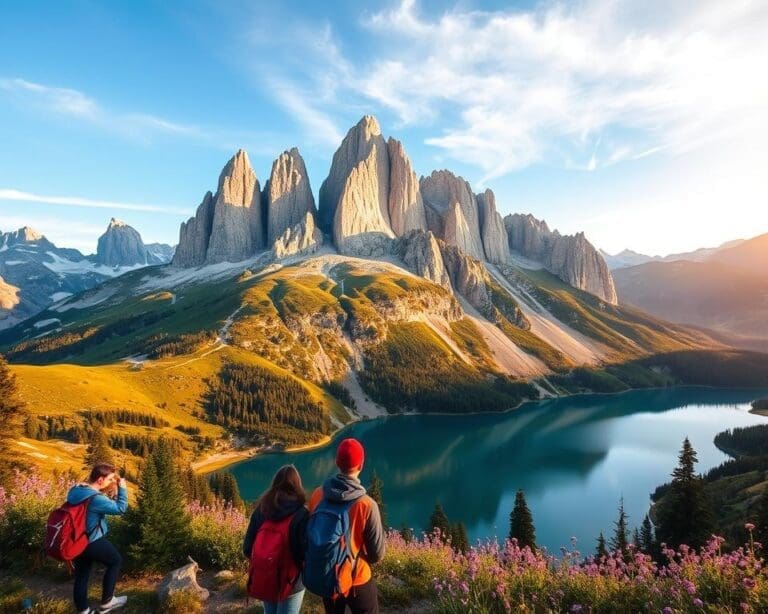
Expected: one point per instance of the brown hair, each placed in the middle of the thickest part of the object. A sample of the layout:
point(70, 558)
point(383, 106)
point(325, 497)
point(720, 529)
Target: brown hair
point(286, 486)
point(100, 470)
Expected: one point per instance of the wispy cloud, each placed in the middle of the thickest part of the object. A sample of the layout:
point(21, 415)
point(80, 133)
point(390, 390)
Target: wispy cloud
point(9, 194)
point(584, 85)
point(78, 105)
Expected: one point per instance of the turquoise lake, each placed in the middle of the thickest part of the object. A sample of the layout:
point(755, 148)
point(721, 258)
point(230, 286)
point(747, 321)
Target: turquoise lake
point(574, 457)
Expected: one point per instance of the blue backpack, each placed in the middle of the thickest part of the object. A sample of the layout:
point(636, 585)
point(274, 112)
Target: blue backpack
point(329, 564)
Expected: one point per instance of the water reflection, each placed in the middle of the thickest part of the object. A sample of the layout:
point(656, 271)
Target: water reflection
point(573, 457)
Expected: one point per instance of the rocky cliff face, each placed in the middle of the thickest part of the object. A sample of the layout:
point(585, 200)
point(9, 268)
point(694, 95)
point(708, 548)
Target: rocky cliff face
point(238, 231)
point(420, 251)
point(406, 207)
point(571, 257)
point(227, 226)
point(288, 194)
point(495, 241)
point(194, 235)
point(354, 198)
point(302, 238)
point(454, 216)
point(121, 245)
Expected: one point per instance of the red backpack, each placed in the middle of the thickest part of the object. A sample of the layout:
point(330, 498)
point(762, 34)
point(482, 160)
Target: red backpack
point(273, 572)
point(66, 535)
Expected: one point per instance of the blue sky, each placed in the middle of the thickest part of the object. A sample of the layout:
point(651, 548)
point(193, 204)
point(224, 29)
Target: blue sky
point(641, 123)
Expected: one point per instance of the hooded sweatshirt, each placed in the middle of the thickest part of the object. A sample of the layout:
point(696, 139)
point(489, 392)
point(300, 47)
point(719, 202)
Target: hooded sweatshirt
point(366, 531)
point(98, 508)
point(296, 532)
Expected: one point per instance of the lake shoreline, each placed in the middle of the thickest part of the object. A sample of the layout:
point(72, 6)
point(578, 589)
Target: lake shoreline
point(230, 458)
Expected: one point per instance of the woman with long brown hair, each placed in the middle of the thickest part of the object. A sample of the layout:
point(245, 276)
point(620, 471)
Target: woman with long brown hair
point(275, 543)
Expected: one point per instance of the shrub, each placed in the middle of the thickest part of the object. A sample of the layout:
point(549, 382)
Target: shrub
point(181, 602)
point(24, 510)
point(217, 533)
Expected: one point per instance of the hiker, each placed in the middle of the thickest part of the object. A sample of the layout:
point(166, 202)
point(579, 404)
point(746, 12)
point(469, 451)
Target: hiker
point(344, 537)
point(276, 532)
point(99, 550)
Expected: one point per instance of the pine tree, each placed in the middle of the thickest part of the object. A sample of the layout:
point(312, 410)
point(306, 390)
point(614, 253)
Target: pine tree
point(647, 543)
point(230, 491)
point(601, 551)
point(160, 522)
point(99, 450)
point(684, 514)
point(406, 533)
point(459, 538)
point(636, 538)
point(11, 409)
point(619, 540)
point(375, 492)
point(439, 520)
point(521, 523)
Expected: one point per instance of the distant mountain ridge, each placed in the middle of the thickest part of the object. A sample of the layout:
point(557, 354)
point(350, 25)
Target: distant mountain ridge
point(726, 290)
point(36, 273)
point(627, 257)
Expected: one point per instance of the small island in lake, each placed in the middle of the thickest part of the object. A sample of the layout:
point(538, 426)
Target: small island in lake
point(760, 406)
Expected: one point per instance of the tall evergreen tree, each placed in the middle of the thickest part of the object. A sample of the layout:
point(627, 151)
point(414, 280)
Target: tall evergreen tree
point(11, 409)
point(521, 523)
point(196, 487)
point(459, 538)
point(160, 521)
point(647, 543)
point(601, 550)
point(99, 450)
point(375, 492)
point(619, 541)
point(684, 513)
point(636, 538)
point(439, 520)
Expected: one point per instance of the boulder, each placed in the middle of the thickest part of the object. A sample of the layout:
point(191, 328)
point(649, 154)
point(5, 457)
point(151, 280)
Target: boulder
point(183, 579)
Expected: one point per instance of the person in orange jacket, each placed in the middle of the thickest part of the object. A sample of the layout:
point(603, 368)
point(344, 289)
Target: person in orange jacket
point(366, 532)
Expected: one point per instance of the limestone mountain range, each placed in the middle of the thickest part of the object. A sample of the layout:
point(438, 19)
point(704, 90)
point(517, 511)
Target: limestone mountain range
point(369, 205)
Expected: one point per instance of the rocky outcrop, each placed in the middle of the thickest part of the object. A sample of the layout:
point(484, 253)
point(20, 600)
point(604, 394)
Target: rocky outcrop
point(454, 216)
point(288, 194)
point(492, 230)
point(227, 226)
point(237, 232)
point(571, 257)
point(406, 208)
point(194, 235)
point(302, 238)
point(121, 245)
point(420, 251)
point(469, 277)
point(354, 198)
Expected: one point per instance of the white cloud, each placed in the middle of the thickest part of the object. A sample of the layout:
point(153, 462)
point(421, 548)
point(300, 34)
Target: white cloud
point(515, 87)
point(10, 194)
point(75, 104)
point(527, 86)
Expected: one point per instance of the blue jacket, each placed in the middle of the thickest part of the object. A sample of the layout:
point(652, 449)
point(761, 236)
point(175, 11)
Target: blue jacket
point(98, 508)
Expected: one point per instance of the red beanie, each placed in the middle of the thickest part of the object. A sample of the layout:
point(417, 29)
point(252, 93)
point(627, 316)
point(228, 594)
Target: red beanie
point(350, 455)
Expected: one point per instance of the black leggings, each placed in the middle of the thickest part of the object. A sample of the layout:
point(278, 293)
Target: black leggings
point(99, 551)
point(362, 599)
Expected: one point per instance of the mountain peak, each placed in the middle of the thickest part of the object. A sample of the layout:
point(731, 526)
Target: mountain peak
point(26, 233)
point(115, 223)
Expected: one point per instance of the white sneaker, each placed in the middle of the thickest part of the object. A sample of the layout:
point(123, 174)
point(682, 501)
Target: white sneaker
point(113, 604)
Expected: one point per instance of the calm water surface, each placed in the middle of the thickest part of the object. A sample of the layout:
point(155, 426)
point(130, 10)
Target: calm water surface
point(574, 457)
